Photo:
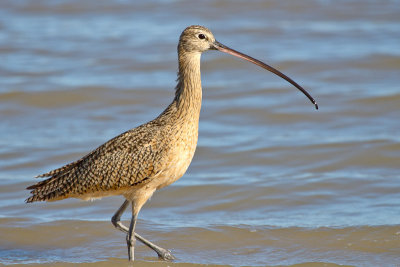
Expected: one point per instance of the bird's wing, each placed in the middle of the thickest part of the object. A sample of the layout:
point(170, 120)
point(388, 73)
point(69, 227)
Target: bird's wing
point(124, 161)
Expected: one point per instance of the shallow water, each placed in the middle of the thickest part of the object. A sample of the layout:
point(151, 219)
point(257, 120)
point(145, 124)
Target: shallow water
point(273, 181)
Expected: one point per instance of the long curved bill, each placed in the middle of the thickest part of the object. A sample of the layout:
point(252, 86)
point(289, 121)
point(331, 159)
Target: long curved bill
point(225, 49)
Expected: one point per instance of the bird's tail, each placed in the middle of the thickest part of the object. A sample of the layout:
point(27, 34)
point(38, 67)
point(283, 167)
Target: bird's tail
point(56, 187)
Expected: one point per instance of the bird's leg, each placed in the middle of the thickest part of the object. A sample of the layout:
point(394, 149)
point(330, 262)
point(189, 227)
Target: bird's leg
point(116, 219)
point(162, 253)
point(130, 238)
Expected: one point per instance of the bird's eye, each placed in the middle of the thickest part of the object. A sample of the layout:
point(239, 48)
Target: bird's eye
point(202, 36)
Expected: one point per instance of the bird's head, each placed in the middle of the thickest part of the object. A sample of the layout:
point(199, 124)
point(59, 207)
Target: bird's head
point(196, 39)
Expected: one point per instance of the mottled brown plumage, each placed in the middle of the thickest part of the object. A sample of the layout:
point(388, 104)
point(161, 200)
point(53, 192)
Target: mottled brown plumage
point(149, 157)
point(163, 146)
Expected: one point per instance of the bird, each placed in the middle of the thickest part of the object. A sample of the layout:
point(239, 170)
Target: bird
point(151, 156)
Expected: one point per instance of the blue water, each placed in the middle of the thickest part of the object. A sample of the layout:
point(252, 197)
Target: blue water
point(77, 73)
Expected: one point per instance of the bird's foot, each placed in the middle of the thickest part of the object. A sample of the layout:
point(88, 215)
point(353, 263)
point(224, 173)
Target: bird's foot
point(165, 255)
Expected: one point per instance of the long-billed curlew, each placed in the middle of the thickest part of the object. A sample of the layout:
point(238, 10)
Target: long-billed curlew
point(151, 156)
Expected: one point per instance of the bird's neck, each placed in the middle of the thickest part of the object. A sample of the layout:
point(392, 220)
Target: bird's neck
point(188, 93)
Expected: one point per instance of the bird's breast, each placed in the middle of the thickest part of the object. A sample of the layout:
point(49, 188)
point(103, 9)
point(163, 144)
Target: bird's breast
point(180, 155)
